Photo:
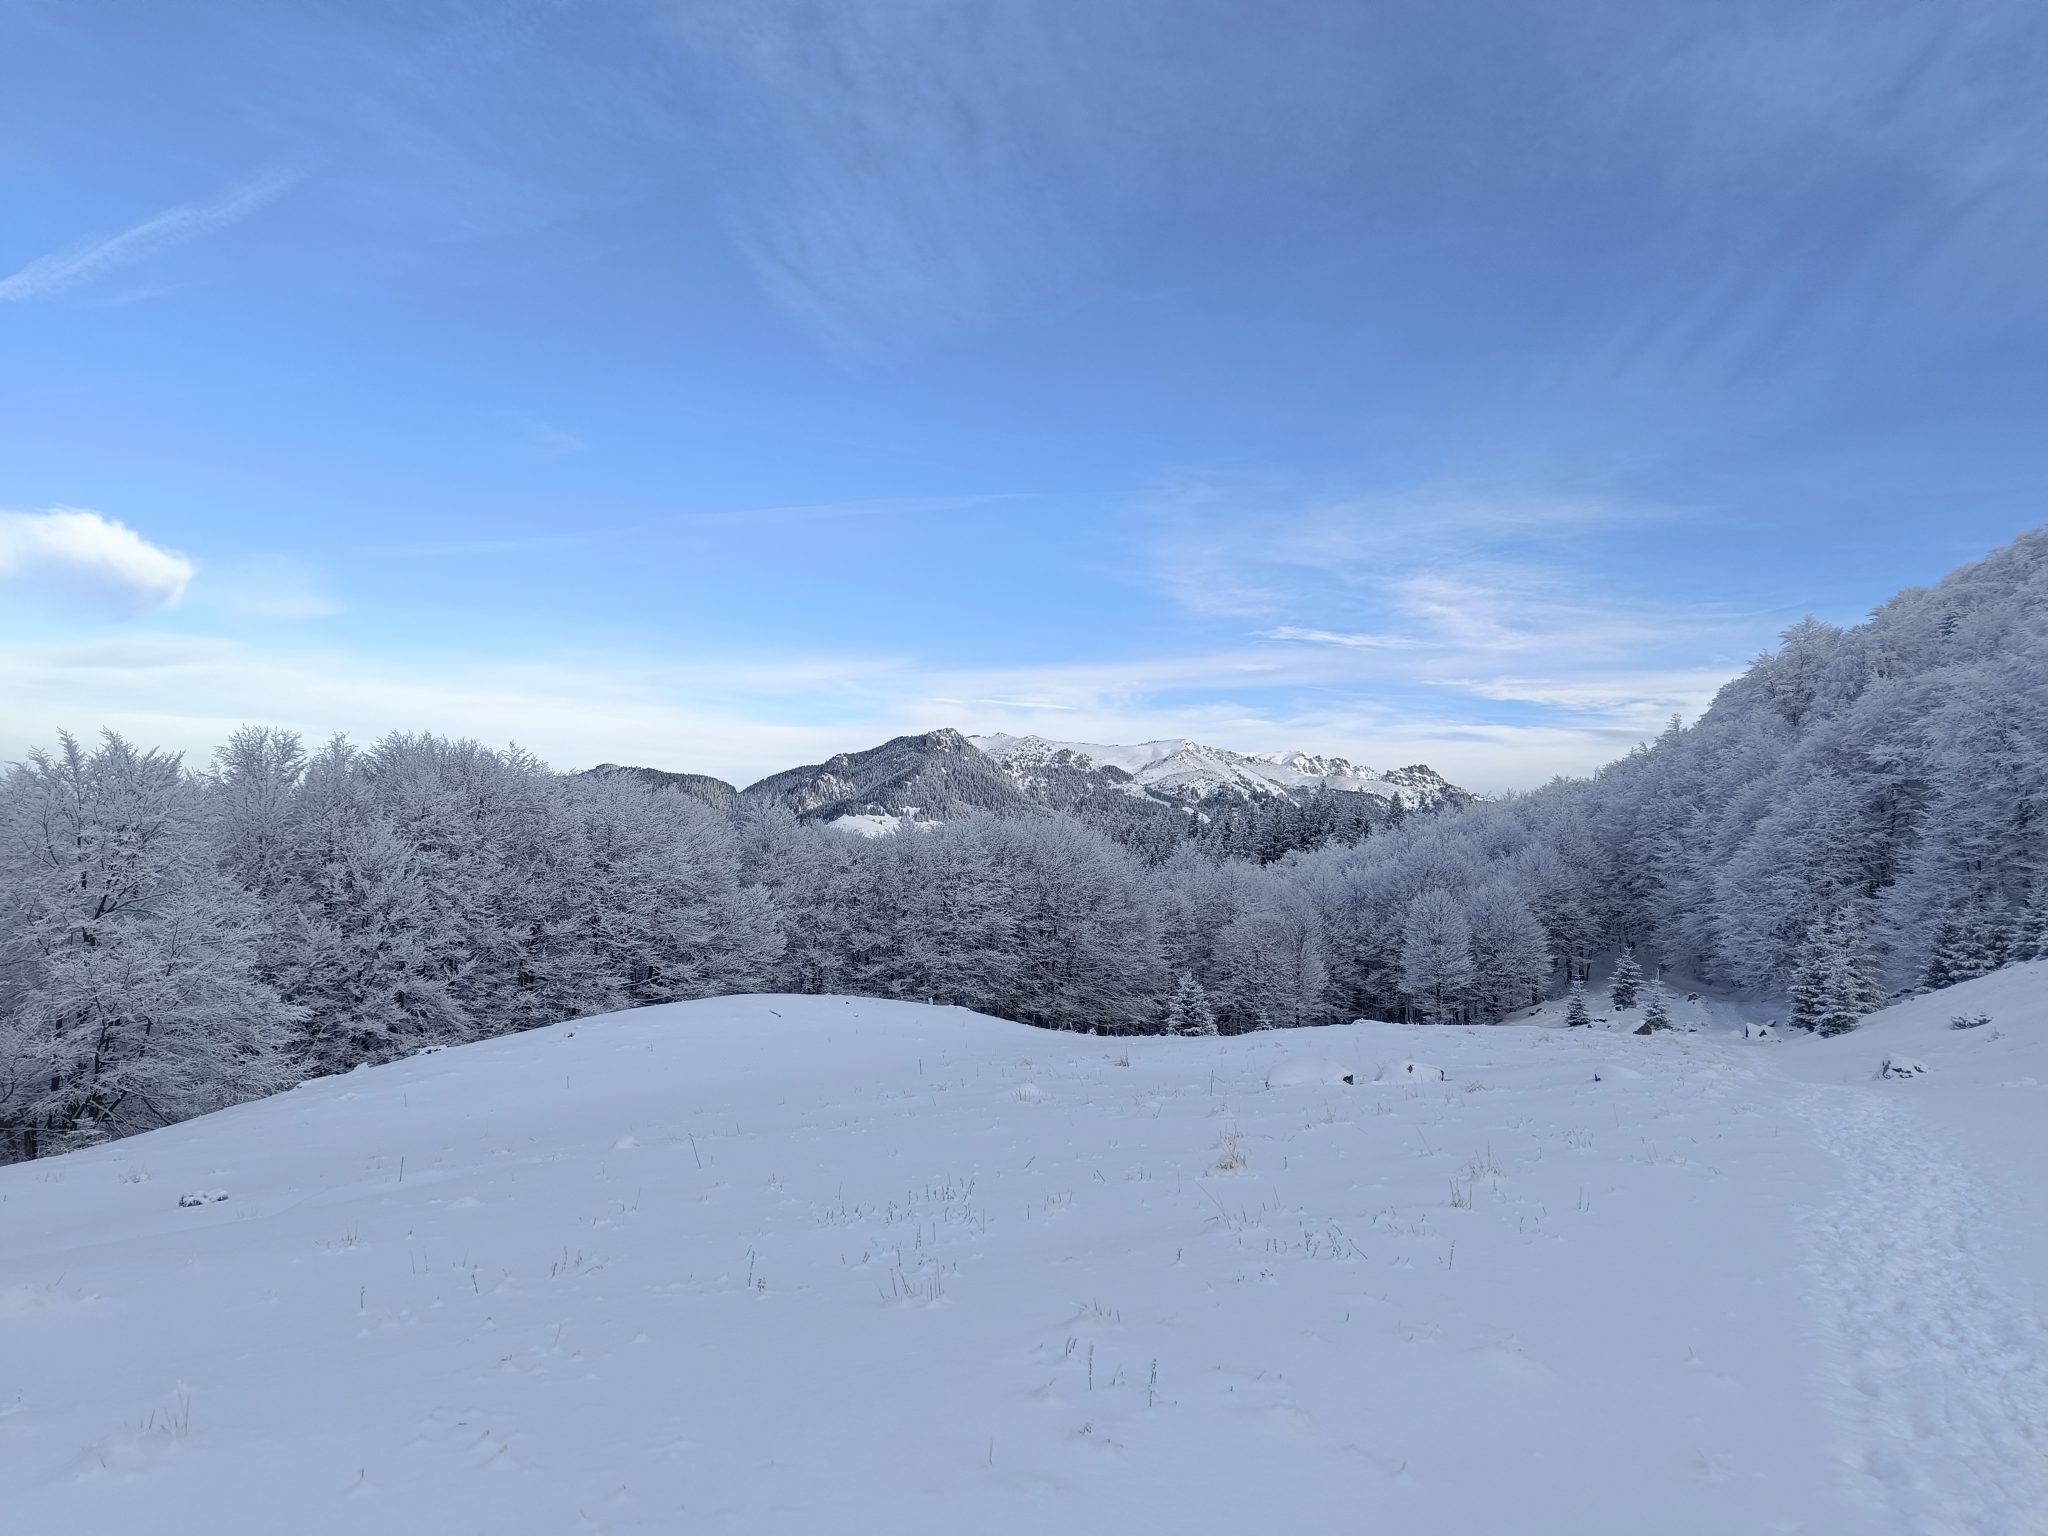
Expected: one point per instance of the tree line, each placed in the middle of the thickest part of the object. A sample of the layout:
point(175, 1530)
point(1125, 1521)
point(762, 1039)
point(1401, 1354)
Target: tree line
point(1863, 812)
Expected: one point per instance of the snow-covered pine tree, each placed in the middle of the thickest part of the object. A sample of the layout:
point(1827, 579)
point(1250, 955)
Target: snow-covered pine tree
point(1859, 992)
point(1189, 1011)
point(1966, 945)
point(1656, 1006)
point(1575, 1014)
point(2016, 933)
point(1627, 979)
point(1814, 978)
point(1836, 985)
point(2030, 931)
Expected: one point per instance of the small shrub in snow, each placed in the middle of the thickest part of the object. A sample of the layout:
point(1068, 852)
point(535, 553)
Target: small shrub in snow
point(1759, 1032)
point(1969, 1021)
point(202, 1197)
point(1902, 1066)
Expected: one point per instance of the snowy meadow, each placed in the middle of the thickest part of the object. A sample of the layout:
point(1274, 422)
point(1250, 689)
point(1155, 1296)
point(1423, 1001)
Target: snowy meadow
point(792, 1263)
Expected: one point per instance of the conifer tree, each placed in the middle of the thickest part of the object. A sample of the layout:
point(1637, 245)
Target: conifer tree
point(1836, 984)
point(1628, 978)
point(1810, 983)
point(1189, 1011)
point(1575, 1014)
point(1965, 946)
point(1656, 1007)
point(2030, 933)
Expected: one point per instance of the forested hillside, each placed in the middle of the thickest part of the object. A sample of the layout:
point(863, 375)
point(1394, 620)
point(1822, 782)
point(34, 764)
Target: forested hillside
point(1859, 814)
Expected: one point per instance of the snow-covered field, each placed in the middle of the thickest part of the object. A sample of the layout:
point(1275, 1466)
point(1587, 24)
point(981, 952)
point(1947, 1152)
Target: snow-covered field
point(817, 1264)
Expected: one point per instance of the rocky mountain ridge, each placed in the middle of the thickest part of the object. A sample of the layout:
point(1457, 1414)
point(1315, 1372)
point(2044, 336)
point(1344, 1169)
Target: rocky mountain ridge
point(943, 772)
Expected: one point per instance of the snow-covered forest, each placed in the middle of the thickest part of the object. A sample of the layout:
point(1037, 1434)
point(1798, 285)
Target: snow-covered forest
point(1859, 815)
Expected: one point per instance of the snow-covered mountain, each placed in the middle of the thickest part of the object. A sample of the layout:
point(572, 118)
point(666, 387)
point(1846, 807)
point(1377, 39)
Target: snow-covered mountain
point(716, 793)
point(935, 775)
point(1188, 772)
point(943, 773)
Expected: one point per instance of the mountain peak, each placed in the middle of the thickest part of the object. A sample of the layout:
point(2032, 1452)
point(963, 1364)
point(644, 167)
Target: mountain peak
point(1184, 772)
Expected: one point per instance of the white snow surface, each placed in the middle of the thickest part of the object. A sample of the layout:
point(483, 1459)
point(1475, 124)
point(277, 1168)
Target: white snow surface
point(777, 1264)
point(872, 823)
point(1183, 768)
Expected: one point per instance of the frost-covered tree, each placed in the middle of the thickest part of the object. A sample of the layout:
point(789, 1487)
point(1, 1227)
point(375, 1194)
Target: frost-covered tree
point(1436, 955)
point(2029, 938)
point(128, 989)
point(1189, 1011)
point(1626, 981)
point(955, 931)
point(1575, 1013)
point(1836, 984)
point(1656, 1006)
point(1087, 949)
point(1968, 943)
point(257, 779)
point(1269, 961)
point(359, 960)
point(1510, 956)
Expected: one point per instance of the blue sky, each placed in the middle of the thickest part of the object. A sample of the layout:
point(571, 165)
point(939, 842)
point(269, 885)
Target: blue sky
point(722, 385)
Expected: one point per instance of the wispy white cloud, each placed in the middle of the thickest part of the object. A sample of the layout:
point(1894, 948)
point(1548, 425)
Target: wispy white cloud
point(920, 165)
point(89, 260)
point(1459, 622)
point(70, 558)
point(1350, 640)
point(743, 717)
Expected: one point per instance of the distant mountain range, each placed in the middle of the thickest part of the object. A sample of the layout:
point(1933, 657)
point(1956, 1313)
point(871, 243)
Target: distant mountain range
point(1187, 773)
point(943, 773)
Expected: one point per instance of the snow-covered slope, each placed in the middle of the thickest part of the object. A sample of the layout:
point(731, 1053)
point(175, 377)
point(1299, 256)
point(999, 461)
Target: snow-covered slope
point(1187, 771)
point(799, 1264)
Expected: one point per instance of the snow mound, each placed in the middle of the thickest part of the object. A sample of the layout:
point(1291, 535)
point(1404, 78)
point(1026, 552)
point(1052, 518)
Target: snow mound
point(1310, 1074)
point(1759, 1032)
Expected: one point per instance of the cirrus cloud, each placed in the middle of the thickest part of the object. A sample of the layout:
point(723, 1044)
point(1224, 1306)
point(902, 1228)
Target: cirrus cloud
point(72, 558)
